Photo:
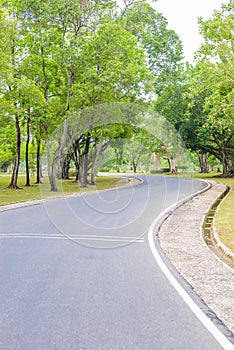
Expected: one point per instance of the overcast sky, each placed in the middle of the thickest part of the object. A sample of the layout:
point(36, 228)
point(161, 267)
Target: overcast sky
point(182, 18)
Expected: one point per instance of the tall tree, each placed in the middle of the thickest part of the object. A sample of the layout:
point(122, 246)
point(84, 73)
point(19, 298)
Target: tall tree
point(162, 45)
point(109, 68)
point(214, 79)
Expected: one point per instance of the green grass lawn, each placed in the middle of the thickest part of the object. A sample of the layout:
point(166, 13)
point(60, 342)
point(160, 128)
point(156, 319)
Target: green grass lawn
point(8, 196)
point(224, 220)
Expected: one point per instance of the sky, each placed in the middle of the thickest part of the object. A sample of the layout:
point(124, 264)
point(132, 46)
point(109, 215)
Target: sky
point(182, 17)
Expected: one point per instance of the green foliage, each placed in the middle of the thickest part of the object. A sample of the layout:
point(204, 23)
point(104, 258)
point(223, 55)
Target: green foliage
point(162, 46)
point(213, 86)
point(111, 67)
point(60, 58)
point(216, 67)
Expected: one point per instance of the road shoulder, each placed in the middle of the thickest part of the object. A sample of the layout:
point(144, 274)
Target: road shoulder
point(126, 181)
point(181, 239)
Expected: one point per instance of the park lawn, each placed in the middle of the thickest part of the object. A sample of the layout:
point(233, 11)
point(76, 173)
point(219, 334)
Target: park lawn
point(224, 219)
point(8, 196)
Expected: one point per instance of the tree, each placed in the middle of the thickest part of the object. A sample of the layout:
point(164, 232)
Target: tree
point(11, 97)
point(213, 79)
point(111, 68)
point(164, 54)
point(67, 56)
point(161, 45)
point(7, 144)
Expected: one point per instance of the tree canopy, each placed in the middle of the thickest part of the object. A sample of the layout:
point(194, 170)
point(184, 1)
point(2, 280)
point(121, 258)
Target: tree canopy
point(60, 58)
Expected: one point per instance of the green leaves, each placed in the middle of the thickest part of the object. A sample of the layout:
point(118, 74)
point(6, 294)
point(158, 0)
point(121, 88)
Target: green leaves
point(161, 45)
point(111, 67)
point(216, 62)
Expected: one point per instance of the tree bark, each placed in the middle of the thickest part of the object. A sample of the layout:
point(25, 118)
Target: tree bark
point(172, 165)
point(52, 178)
point(94, 165)
point(232, 168)
point(59, 169)
point(76, 162)
point(226, 155)
point(26, 154)
point(38, 175)
point(58, 155)
point(48, 157)
point(83, 178)
point(225, 163)
point(157, 163)
point(14, 177)
point(203, 163)
point(66, 167)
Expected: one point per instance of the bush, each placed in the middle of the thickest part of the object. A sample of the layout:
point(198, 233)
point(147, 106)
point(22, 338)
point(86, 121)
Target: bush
point(156, 171)
point(165, 170)
point(182, 168)
point(105, 169)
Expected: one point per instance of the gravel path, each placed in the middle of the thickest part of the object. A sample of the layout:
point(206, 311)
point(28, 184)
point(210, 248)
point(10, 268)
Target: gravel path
point(181, 239)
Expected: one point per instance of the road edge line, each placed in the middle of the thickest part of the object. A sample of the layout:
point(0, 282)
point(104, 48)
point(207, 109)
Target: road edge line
point(207, 323)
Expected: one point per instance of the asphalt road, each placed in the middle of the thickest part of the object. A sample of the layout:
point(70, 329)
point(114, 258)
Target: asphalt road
point(78, 273)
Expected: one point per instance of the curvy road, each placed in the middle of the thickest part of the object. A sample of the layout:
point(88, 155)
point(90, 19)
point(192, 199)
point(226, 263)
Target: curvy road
point(86, 273)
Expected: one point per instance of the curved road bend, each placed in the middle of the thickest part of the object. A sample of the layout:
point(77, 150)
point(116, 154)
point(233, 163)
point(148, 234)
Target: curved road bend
point(78, 273)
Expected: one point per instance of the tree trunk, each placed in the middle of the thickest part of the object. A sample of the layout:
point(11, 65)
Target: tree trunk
point(52, 178)
point(38, 176)
point(83, 171)
point(93, 171)
point(14, 177)
point(211, 168)
point(157, 163)
point(48, 157)
point(51, 170)
point(83, 178)
point(172, 165)
point(58, 155)
point(203, 163)
point(75, 160)
point(59, 169)
point(232, 168)
point(225, 163)
point(66, 167)
point(26, 154)
point(218, 167)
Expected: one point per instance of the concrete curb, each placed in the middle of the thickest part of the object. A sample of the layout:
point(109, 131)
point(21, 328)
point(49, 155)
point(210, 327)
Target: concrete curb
point(18, 205)
point(181, 239)
point(222, 251)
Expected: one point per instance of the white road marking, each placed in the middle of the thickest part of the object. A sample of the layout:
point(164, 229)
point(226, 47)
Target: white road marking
point(73, 237)
point(215, 332)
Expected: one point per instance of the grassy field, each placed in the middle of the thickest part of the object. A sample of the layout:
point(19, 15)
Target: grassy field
point(8, 196)
point(224, 220)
